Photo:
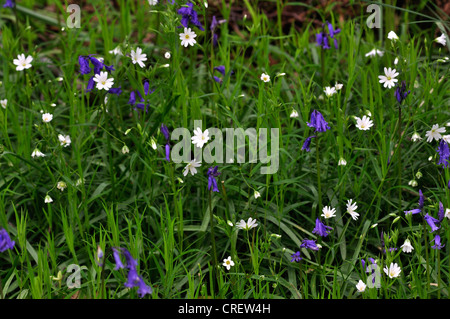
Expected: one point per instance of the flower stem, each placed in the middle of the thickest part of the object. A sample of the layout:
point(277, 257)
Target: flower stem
point(399, 164)
point(213, 239)
point(319, 188)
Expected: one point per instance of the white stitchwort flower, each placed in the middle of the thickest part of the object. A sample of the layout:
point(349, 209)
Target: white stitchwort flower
point(328, 212)
point(361, 286)
point(103, 82)
point(125, 149)
point(47, 117)
point(23, 62)
point(227, 263)
point(200, 138)
point(342, 162)
point(191, 167)
point(64, 140)
point(330, 91)
point(37, 153)
point(389, 78)
point(251, 223)
point(138, 57)
point(167, 55)
point(338, 86)
point(351, 209)
point(446, 138)
point(265, 77)
point(294, 113)
point(48, 199)
point(188, 37)
point(374, 52)
point(435, 133)
point(392, 36)
point(415, 137)
point(363, 124)
point(412, 183)
point(447, 213)
point(395, 61)
point(153, 2)
point(407, 247)
point(61, 186)
point(3, 103)
point(257, 194)
point(393, 270)
point(441, 40)
point(116, 51)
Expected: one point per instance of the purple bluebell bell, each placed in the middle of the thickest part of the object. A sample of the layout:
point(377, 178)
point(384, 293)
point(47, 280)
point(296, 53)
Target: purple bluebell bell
point(307, 144)
point(444, 153)
point(83, 61)
point(213, 26)
point(221, 69)
point(318, 122)
point(441, 212)
point(401, 93)
point(309, 243)
point(217, 79)
point(133, 278)
point(383, 244)
point(9, 4)
point(321, 229)
point(296, 257)
point(165, 132)
point(437, 242)
point(431, 222)
point(212, 174)
point(421, 199)
point(5, 241)
point(189, 15)
point(141, 105)
point(322, 38)
point(421, 203)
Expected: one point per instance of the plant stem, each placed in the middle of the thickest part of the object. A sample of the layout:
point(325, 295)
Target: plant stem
point(399, 167)
point(213, 239)
point(319, 188)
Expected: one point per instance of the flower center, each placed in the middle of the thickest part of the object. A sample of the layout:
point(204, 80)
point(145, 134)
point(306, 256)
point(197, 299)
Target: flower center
point(389, 78)
point(186, 36)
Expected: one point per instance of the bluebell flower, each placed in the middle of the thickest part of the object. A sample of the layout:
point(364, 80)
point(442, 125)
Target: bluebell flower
point(318, 122)
point(307, 144)
point(9, 4)
point(189, 15)
point(217, 79)
point(441, 213)
point(322, 38)
point(116, 255)
point(296, 257)
point(431, 222)
point(309, 243)
point(321, 229)
point(84, 62)
point(5, 241)
point(221, 69)
point(212, 174)
point(143, 288)
point(437, 242)
point(165, 132)
point(84, 65)
point(444, 153)
point(401, 93)
point(421, 203)
point(141, 105)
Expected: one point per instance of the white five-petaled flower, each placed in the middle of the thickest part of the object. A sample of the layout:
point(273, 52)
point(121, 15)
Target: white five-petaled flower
point(23, 62)
point(191, 167)
point(103, 82)
point(441, 40)
point(227, 263)
point(338, 86)
point(294, 113)
point(374, 52)
point(200, 138)
point(61, 186)
point(3, 103)
point(351, 209)
point(393, 270)
point(407, 247)
point(188, 37)
point(392, 36)
point(342, 162)
point(265, 77)
point(64, 140)
point(47, 117)
point(48, 199)
point(415, 137)
point(37, 153)
point(361, 286)
point(389, 78)
point(138, 57)
point(435, 133)
point(364, 124)
point(251, 223)
point(328, 212)
point(330, 91)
